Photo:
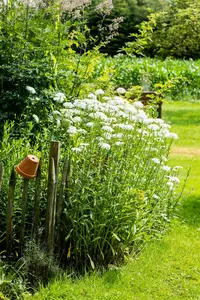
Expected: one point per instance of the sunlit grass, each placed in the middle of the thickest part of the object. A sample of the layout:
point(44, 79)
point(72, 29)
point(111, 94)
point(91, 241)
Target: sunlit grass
point(168, 268)
point(184, 118)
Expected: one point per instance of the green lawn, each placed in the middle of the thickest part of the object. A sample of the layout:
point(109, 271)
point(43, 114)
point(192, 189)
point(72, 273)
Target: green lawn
point(168, 268)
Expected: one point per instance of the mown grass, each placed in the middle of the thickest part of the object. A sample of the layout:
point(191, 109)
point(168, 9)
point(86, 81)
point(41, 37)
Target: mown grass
point(168, 268)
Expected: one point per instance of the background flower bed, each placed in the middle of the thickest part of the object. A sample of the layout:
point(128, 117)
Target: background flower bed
point(121, 192)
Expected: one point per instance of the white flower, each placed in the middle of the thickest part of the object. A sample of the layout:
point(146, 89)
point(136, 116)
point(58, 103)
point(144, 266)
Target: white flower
point(119, 143)
point(104, 146)
point(166, 168)
point(138, 104)
point(76, 111)
point(174, 179)
point(92, 96)
point(84, 145)
point(153, 127)
point(80, 104)
point(156, 160)
point(107, 98)
point(155, 196)
point(118, 135)
point(35, 117)
point(172, 135)
point(121, 90)
point(107, 135)
point(58, 122)
point(59, 97)
point(164, 125)
point(31, 90)
point(99, 115)
point(77, 119)
point(177, 168)
point(124, 126)
point(171, 185)
point(75, 149)
point(99, 92)
point(56, 112)
point(159, 121)
point(83, 131)
point(148, 121)
point(108, 128)
point(72, 130)
point(141, 116)
point(68, 105)
point(130, 108)
point(89, 124)
point(116, 100)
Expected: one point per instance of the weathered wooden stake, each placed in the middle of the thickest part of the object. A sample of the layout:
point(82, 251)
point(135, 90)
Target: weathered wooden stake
point(36, 221)
point(23, 216)
point(55, 154)
point(1, 173)
point(49, 238)
point(9, 221)
point(65, 175)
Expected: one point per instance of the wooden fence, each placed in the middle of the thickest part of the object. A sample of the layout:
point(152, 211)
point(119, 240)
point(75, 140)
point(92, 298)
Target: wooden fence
point(54, 205)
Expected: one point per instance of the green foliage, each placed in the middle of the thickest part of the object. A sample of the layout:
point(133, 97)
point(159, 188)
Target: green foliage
point(133, 13)
point(146, 72)
point(37, 266)
point(12, 286)
point(110, 208)
point(45, 48)
point(160, 272)
point(173, 32)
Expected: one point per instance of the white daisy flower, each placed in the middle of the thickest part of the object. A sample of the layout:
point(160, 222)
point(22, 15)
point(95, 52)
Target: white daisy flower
point(75, 149)
point(36, 119)
point(121, 90)
point(77, 119)
point(138, 104)
point(68, 105)
point(72, 130)
point(104, 146)
point(99, 92)
point(59, 97)
point(31, 90)
point(156, 160)
point(166, 168)
point(108, 128)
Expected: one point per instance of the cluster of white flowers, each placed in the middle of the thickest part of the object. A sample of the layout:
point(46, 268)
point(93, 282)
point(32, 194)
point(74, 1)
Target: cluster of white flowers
point(110, 123)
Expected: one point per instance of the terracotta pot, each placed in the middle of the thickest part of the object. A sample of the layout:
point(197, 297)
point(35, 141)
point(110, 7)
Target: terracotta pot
point(28, 167)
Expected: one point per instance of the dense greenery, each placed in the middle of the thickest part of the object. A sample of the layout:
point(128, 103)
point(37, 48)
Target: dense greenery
point(131, 13)
point(160, 272)
point(174, 32)
point(178, 79)
point(57, 85)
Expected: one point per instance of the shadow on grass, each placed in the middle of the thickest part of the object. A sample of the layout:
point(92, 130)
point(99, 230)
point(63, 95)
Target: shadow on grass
point(182, 117)
point(112, 276)
point(189, 211)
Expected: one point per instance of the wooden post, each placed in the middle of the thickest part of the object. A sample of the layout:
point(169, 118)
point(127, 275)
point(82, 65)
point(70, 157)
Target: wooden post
point(1, 173)
point(65, 175)
point(49, 235)
point(23, 216)
point(36, 221)
point(9, 221)
point(55, 153)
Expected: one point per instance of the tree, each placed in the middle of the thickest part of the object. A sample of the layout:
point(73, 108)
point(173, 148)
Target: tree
point(133, 13)
point(174, 32)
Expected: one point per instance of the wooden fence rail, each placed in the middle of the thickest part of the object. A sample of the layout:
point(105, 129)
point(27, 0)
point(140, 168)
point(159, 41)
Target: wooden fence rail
point(54, 207)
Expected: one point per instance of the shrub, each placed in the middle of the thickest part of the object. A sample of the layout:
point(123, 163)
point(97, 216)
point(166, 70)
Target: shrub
point(120, 192)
